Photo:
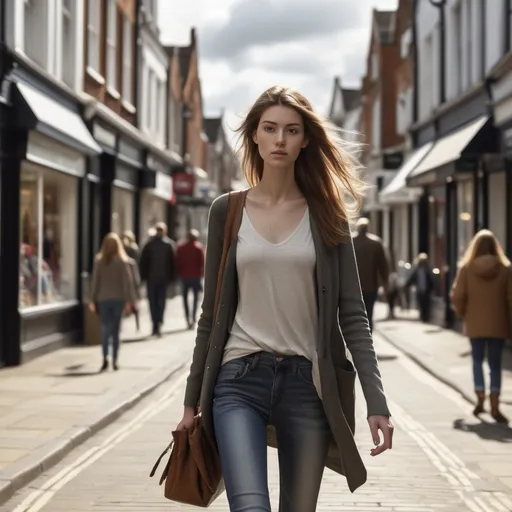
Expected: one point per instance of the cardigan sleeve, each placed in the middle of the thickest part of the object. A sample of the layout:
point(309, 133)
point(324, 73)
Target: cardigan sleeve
point(216, 222)
point(356, 331)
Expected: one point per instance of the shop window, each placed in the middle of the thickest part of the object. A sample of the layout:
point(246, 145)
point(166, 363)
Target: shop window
point(48, 205)
point(123, 211)
point(437, 239)
point(465, 206)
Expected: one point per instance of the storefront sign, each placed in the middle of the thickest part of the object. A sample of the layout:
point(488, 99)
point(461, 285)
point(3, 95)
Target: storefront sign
point(392, 161)
point(183, 184)
point(156, 165)
point(506, 140)
point(104, 136)
point(45, 151)
point(130, 152)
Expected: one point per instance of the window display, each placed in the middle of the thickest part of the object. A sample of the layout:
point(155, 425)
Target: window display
point(48, 204)
point(153, 209)
point(465, 206)
point(123, 210)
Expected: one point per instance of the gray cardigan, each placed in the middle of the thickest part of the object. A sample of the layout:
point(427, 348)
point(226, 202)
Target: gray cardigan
point(342, 324)
point(112, 281)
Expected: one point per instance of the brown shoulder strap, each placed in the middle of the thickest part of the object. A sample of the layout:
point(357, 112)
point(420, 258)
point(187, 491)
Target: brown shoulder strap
point(236, 202)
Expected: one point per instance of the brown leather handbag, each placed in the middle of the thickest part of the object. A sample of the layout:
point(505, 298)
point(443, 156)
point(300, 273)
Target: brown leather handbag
point(193, 474)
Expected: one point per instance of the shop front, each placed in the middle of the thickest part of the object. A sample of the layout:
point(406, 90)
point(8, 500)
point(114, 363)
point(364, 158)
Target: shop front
point(453, 206)
point(49, 150)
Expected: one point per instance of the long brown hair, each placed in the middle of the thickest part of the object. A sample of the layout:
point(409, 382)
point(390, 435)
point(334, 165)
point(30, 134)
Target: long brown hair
point(112, 248)
point(482, 244)
point(324, 171)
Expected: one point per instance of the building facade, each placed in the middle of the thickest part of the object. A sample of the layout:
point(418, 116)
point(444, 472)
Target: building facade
point(92, 129)
point(383, 151)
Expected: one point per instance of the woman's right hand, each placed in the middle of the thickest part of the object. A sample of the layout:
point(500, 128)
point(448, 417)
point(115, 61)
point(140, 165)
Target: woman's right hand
point(187, 421)
point(92, 307)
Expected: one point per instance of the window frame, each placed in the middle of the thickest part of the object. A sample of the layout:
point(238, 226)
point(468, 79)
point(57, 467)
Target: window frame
point(111, 71)
point(94, 31)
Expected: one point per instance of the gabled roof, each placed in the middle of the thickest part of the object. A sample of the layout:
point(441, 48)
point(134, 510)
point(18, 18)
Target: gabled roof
point(385, 22)
point(212, 126)
point(350, 99)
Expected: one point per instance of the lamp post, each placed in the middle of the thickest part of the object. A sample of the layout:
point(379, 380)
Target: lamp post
point(440, 4)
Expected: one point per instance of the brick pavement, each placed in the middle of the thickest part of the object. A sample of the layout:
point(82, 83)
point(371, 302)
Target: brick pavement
point(441, 460)
point(51, 404)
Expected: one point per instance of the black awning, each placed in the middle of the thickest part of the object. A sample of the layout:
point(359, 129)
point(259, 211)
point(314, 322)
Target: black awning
point(37, 111)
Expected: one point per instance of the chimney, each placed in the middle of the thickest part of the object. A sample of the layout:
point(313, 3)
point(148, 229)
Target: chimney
point(193, 37)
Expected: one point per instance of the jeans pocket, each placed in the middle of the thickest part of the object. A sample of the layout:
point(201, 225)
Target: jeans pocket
point(305, 374)
point(233, 370)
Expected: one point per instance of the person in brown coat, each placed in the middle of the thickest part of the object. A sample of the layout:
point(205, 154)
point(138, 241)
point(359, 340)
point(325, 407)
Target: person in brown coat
point(482, 297)
point(372, 263)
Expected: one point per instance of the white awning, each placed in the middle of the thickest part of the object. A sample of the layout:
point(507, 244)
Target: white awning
point(449, 148)
point(397, 191)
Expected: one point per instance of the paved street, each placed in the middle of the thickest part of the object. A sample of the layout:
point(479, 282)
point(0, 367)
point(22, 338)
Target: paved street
point(443, 458)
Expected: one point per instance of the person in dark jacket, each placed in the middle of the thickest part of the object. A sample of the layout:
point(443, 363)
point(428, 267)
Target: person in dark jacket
point(158, 269)
point(372, 263)
point(423, 278)
point(190, 265)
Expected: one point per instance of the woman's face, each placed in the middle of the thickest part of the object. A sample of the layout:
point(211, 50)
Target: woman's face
point(280, 136)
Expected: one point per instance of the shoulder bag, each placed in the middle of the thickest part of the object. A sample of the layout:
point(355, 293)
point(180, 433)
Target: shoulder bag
point(193, 473)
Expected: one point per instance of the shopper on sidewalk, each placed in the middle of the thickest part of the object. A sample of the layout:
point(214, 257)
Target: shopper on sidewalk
point(373, 265)
point(482, 297)
point(112, 292)
point(422, 277)
point(158, 270)
point(277, 358)
point(190, 266)
point(132, 251)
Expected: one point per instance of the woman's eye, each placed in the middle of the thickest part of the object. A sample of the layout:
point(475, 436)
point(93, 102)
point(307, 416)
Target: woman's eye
point(293, 130)
point(268, 128)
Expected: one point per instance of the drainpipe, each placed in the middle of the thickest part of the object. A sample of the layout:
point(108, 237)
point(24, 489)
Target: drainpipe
point(441, 4)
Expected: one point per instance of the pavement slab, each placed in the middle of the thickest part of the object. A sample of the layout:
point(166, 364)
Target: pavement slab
point(54, 403)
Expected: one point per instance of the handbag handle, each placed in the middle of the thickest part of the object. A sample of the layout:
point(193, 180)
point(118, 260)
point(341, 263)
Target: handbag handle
point(236, 203)
point(157, 463)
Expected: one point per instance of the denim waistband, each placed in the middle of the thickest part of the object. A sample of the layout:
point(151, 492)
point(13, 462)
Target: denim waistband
point(272, 359)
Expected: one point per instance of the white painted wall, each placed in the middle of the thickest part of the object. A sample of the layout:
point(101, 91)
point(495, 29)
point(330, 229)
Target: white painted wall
point(463, 55)
point(37, 30)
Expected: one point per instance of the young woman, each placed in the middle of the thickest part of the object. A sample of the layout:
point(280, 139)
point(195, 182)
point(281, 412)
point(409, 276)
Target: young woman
point(112, 292)
point(482, 297)
point(275, 358)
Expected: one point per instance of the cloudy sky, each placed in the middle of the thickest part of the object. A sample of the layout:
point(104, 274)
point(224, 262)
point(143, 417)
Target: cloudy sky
point(245, 46)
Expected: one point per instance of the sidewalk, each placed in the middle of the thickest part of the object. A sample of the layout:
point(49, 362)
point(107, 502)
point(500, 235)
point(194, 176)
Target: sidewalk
point(444, 353)
point(52, 404)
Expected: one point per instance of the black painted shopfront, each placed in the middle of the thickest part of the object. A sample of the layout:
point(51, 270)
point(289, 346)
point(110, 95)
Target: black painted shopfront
point(46, 152)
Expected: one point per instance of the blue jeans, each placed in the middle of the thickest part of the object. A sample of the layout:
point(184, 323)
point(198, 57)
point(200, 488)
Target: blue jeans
point(494, 352)
point(111, 313)
point(255, 391)
point(193, 284)
point(157, 296)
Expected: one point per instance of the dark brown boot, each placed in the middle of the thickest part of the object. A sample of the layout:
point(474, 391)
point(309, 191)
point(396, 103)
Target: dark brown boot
point(480, 399)
point(495, 409)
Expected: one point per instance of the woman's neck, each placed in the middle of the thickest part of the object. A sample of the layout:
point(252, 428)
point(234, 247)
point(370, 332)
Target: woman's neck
point(278, 185)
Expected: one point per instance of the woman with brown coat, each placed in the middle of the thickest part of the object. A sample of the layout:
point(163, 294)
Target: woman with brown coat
point(274, 359)
point(482, 297)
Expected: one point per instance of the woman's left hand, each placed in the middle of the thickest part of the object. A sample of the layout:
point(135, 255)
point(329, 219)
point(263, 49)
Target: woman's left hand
point(385, 425)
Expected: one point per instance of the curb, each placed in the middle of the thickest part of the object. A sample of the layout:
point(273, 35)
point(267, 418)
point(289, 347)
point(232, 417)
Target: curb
point(28, 468)
point(438, 373)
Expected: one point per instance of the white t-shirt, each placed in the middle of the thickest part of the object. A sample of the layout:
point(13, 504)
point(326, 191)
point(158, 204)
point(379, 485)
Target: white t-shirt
point(277, 310)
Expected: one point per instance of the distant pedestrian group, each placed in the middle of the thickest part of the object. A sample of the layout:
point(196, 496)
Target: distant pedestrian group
point(119, 270)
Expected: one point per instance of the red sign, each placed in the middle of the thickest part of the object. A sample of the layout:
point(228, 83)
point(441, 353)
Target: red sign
point(183, 184)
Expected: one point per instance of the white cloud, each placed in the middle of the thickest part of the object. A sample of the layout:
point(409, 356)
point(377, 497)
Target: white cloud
point(246, 46)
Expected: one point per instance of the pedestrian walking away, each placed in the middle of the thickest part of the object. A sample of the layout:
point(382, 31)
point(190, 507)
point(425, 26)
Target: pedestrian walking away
point(373, 265)
point(190, 268)
point(482, 297)
point(112, 292)
point(422, 277)
point(132, 250)
point(158, 270)
point(272, 367)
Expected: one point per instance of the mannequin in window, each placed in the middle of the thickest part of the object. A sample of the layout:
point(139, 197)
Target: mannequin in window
point(50, 256)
